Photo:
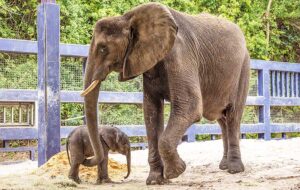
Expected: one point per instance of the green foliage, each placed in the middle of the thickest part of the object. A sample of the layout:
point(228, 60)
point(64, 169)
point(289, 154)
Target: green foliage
point(18, 19)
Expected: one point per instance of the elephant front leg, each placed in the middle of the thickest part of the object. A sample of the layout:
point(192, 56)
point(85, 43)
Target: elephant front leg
point(102, 169)
point(153, 114)
point(184, 112)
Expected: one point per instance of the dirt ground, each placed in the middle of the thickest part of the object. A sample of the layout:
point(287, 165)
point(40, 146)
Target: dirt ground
point(269, 165)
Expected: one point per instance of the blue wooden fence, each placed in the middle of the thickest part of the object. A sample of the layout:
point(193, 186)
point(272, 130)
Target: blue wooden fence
point(278, 85)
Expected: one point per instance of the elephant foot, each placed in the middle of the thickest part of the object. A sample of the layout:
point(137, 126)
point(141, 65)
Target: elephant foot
point(223, 164)
point(174, 167)
point(156, 178)
point(104, 180)
point(235, 166)
point(75, 178)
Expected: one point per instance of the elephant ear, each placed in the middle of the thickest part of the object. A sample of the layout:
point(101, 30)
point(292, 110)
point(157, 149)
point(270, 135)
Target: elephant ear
point(153, 33)
point(110, 140)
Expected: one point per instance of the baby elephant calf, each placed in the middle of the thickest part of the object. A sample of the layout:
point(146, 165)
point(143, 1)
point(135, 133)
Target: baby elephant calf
point(79, 146)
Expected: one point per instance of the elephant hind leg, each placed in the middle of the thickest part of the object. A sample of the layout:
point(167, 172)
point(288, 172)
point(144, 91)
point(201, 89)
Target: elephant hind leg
point(73, 173)
point(223, 164)
point(234, 162)
point(233, 114)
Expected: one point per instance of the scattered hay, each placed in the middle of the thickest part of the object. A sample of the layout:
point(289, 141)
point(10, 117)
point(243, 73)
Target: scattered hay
point(58, 165)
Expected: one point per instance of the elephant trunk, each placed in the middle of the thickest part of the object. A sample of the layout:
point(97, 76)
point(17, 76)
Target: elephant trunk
point(128, 157)
point(90, 106)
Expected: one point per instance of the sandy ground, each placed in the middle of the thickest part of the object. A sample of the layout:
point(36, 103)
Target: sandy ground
point(269, 165)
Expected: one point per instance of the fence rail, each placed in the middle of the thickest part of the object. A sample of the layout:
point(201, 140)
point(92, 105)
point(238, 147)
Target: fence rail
point(278, 85)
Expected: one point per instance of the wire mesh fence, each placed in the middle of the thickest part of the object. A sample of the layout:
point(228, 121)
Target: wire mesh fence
point(253, 83)
point(250, 115)
point(72, 78)
point(18, 71)
point(71, 114)
point(71, 73)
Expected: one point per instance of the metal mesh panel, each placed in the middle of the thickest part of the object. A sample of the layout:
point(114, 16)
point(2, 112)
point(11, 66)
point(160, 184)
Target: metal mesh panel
point(121, 114)
point(71, 73)
point(112, 84)
point(18, 71)
point(71, 114)
point(285, 114)
point(253, 83)
point(71, 70)
point(250, 115)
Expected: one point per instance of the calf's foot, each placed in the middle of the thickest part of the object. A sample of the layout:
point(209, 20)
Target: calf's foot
point(75, 178)
point(103, 180)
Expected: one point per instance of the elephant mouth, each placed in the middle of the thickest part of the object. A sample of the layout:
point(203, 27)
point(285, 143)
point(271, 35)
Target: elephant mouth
point(90, 88)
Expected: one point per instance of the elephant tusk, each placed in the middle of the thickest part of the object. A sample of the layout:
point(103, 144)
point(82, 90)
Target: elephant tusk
point(90, 88)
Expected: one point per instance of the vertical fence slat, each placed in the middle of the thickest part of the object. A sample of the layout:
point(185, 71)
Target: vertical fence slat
point(283, 85)
point(12, 115)
point(27, 114)
point(292, 84)
point(32, 114)
point(297, 81)
point(20, 113)
point(288, 87)
point(278, 91)
point(4, 114)
point(260, 83)
point(265, 112)
point(273, 87)
point(287, 83)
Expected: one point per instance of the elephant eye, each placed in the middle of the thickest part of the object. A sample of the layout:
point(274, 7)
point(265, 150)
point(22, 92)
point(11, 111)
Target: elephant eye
point(102, 49)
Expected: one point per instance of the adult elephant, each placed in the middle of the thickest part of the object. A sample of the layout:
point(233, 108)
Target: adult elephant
point(198, 63)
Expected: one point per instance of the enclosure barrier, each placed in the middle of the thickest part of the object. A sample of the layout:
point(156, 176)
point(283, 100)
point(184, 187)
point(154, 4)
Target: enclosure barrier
point(278, 85)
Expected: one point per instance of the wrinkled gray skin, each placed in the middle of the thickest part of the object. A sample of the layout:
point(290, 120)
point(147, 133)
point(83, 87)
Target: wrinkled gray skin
point(79, 146)
point(198, 63)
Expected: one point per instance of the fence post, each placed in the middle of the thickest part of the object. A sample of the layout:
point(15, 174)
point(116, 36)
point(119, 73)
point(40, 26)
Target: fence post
point(48, 80)
point(264, 111)
point(191, 134)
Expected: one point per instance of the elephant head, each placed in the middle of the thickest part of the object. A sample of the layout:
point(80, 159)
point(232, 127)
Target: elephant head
point(129, 44)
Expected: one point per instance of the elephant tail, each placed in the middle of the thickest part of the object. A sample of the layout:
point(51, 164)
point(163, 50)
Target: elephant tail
point(243, 86)
point(67, 148)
